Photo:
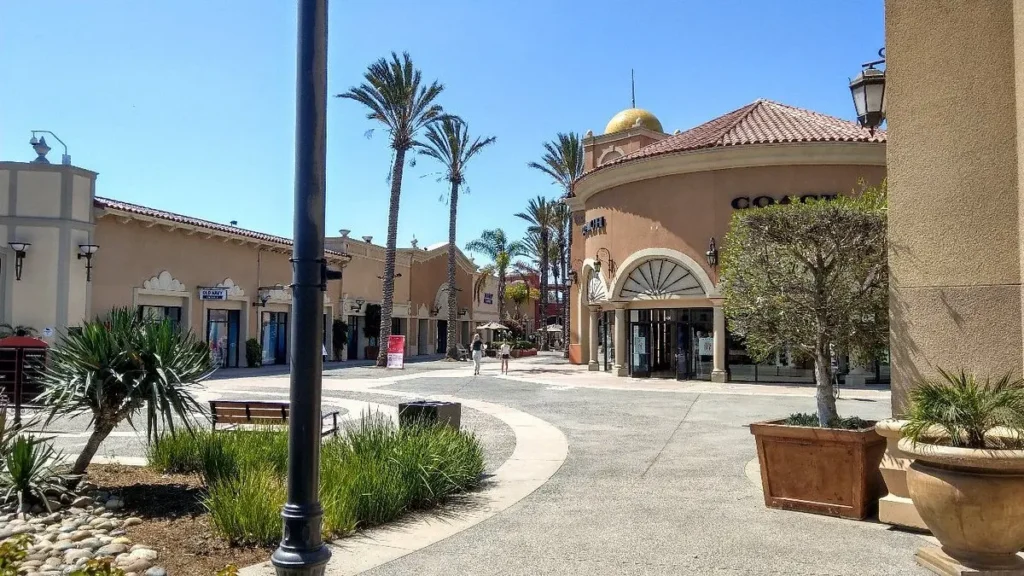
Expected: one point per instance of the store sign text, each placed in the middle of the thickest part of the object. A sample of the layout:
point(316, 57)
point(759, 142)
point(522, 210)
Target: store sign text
point(743, 202)
point(593, 226)
point(213, 293)
point(488, 298)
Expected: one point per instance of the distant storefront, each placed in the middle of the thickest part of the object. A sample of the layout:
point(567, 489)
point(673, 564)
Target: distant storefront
point(651, 206)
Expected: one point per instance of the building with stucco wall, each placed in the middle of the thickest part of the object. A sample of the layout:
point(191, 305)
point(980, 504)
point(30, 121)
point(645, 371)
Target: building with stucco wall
point(645, 301)
point(224, 282)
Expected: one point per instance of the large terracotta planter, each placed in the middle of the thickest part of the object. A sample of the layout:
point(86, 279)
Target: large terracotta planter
point(972, 501)
point(820, 470)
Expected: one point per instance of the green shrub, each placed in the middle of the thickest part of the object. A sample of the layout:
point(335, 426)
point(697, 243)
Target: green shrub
point(961, 410)
point(30, 472)
point(246, 508)
point(811, 420)
point(253, 353)
point(178, 453)
point(99, 567)
point(12, 553)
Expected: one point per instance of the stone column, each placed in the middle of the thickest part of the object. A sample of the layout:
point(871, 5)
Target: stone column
point(620, 341)
point(718, 372)
point(592, 364)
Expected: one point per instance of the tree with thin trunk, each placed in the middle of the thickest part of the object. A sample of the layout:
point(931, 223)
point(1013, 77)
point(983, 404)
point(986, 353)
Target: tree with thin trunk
point(117, 367)
point(540, 218)
point(811, 278)
point(495, 245)
point(563, 162)
point(394, 93)
point(448, 142)
point(562, 229)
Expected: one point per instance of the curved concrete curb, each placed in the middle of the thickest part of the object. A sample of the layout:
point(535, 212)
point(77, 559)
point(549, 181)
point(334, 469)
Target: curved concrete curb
point(539, 453)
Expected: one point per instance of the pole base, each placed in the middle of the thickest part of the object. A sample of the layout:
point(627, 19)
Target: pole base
point(301, 563)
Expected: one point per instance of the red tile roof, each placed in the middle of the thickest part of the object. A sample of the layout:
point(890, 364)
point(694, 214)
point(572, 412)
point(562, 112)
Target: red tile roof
point(761, 122)
point(109, 204)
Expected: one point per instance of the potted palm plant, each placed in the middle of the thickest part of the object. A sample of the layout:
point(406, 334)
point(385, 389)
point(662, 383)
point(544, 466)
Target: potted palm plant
point(967, 479)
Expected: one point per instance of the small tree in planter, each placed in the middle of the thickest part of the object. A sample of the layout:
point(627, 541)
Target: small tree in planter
point(253, 353)
point(812, 278)
point(339, 337)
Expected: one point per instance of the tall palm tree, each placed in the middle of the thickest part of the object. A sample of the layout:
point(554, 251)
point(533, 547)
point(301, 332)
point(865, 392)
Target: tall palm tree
point(495, 245)
point(447, 141)
point(540, 217)
point(563, 161)
point(562, 229)
point(394, 93)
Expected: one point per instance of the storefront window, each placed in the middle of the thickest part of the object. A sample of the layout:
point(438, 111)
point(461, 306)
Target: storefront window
point(222, 335)
point(158, 313)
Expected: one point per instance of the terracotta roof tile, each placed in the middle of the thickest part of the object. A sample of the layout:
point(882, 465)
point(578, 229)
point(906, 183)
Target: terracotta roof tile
point(761, 122)
point(107, 203)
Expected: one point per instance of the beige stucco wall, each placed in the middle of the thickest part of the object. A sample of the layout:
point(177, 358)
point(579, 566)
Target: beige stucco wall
point(954, 204)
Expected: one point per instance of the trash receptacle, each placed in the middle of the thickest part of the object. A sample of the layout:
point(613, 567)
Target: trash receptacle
point(430, 412)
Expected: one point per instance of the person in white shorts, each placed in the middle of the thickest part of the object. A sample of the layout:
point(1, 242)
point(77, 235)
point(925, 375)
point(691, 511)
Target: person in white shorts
point(505, 353)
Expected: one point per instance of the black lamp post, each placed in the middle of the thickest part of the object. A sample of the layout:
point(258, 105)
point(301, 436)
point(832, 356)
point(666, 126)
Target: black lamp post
point(302, 551)
point(712, 253)
point(868, 90)
point(87, 251)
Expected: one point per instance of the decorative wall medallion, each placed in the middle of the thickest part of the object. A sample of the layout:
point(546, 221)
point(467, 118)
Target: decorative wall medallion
point(164, 282)
point(233, 290)
point(660, 279)
point(579, 217)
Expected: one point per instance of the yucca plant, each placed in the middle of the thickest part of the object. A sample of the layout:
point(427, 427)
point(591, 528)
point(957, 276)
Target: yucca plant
point(963, 411)
point(30, 471)
point(120, 366)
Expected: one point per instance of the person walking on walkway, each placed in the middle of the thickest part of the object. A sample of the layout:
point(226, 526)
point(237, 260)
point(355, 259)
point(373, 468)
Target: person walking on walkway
point(478, 353)
point(505, 352)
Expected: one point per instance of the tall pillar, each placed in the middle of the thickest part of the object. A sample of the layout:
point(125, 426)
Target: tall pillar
point(955, 208)
point(592, 364)
point(620, 341)
point(718, 373)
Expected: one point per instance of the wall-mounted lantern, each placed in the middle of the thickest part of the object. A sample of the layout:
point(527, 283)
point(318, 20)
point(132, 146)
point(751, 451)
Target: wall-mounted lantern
point(357, 306)
point(712, 253)
point(607, 259)
point(868, 90)
point(20, 248)
point(435, 310)
point(87, 251)
point(263, 295)
point(574, 274)
point(463, 312)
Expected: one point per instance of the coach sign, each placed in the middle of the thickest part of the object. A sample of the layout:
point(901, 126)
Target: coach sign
point(744, 202)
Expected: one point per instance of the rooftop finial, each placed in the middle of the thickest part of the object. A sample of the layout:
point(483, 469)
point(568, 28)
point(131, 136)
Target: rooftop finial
point(632, 87)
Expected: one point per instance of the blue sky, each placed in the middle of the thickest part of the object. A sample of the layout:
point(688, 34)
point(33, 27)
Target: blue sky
point(188, 105)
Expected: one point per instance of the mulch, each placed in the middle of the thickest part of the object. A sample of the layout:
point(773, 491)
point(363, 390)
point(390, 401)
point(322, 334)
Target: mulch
point(175, 523)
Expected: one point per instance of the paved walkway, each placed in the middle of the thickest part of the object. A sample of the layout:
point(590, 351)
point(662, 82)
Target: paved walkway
point(653, 481)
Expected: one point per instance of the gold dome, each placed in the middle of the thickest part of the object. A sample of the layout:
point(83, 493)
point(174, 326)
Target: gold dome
point(629, 117)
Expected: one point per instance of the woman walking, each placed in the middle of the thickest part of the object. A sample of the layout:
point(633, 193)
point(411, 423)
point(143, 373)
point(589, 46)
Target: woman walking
point(478, 353)
point(505, 352)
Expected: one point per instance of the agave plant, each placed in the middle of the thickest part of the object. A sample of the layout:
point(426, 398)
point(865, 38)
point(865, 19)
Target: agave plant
point(30, 471)
point(963, 411)
point(120, 366)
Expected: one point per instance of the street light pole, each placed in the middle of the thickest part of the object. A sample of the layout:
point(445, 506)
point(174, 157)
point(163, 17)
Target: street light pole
point(302, 551)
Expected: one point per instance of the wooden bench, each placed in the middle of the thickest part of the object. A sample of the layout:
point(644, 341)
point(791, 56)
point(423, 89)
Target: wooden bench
point(235, 412)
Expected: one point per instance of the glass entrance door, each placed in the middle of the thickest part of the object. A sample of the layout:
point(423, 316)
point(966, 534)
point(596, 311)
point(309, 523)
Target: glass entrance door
point(222, 327)
point(274, 333)
point(640, 356)
point(442, 336)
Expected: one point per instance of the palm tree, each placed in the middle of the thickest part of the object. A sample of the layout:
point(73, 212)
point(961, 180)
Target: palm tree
point(540, 217)
point(496, 246)
point(563, 161)
point(115, 367)
point(393, 92)
point(562, 229)
point(448, 142)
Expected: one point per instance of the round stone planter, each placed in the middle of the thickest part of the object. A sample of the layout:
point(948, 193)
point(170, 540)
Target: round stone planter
point(896, 507)
point(972, 501)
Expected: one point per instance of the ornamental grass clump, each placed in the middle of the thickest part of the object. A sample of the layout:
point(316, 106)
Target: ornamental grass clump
point(963, 411)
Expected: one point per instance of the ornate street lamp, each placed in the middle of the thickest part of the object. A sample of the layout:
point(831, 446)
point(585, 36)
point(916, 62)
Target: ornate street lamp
point(302, 550)
point(868, 90)
point(87, 251)
point(712, 253)
point(20, 249)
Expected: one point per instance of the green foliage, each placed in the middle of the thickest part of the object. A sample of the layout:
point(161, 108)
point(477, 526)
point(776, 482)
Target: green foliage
point(811, 420)
point(17, 330)
point(339, 335)
point(809, 277)
point(12, 553)
point(245, 507)
point(253, 353)
point(117, 367)
point(961, 410)
point(372, 473)
point(229, 570)
point(30, 471)
point(99, 567)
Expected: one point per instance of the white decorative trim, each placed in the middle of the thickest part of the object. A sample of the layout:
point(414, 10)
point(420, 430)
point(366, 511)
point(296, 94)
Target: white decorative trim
point(606, 154)
point(234, 291)
point(660, 279)
point(596, 289)
point(164, 282)
point(726, 158)
point(423, 311)
point(641, 256)
point(282, 296)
